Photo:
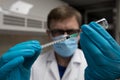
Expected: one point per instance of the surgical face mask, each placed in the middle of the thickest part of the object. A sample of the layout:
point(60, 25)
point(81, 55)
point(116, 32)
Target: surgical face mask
point(65, 48)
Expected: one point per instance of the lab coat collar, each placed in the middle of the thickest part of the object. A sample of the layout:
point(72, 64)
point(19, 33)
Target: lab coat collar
point(75, 61)
point(77, 57)
point(73, 68)
point(51, 61)
point(51, 56)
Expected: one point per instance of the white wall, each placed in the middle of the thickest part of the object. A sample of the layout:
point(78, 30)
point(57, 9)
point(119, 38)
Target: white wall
point(41, 9)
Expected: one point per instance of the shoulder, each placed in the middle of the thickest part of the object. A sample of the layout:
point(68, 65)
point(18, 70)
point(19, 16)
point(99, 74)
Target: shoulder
point(44, 55)
point(79, 52)
point(40, 65)
point(80, 56)
point(42, 58)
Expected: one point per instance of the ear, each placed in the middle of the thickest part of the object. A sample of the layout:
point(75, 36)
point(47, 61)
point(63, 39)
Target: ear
point(80, 30)
point(79, 34)
point(48, 33)
point(78, 37)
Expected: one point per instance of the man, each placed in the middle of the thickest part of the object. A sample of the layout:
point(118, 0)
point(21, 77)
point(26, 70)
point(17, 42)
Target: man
point(65, 61)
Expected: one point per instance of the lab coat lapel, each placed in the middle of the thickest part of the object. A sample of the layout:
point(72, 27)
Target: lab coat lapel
point(52, 68)
point(73, 68)
point(74, 72)
point(67, 72)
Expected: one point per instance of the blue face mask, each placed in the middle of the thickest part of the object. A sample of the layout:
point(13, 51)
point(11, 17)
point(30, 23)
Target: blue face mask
point(65, 48)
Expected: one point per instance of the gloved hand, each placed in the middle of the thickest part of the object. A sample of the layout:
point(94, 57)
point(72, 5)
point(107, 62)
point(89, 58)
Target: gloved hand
point(101, 51)
point(16, 63)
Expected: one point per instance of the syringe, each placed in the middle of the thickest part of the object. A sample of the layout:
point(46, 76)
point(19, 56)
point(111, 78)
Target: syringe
point(102, 22)
point(60, 40)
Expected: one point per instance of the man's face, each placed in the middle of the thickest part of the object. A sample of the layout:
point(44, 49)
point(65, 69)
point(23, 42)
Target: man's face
point(67, 26)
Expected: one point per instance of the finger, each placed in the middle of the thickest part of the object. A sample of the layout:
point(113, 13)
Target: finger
point(100, 42)
point(33, 44)
point(93, 55)
point(26, 49)
point(98, 28)
point(25, 53)
point(5, 69)
point(86, 53)
point(29, 55)
point(95, 37)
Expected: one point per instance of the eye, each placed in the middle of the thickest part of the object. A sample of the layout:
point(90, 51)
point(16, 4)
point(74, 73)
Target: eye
point(53, 31)
point(57, 32)
point(73, 31)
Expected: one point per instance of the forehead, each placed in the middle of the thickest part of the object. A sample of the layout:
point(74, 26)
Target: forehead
point(69, 23)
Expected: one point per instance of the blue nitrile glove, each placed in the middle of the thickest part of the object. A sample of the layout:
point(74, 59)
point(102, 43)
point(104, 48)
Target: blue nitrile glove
point(16, 63)
point(101, 51)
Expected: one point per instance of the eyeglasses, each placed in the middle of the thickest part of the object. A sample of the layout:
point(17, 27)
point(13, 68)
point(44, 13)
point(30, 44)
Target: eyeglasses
point(58, 32)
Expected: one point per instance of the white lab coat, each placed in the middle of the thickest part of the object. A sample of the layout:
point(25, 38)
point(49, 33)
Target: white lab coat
point(45, 67)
